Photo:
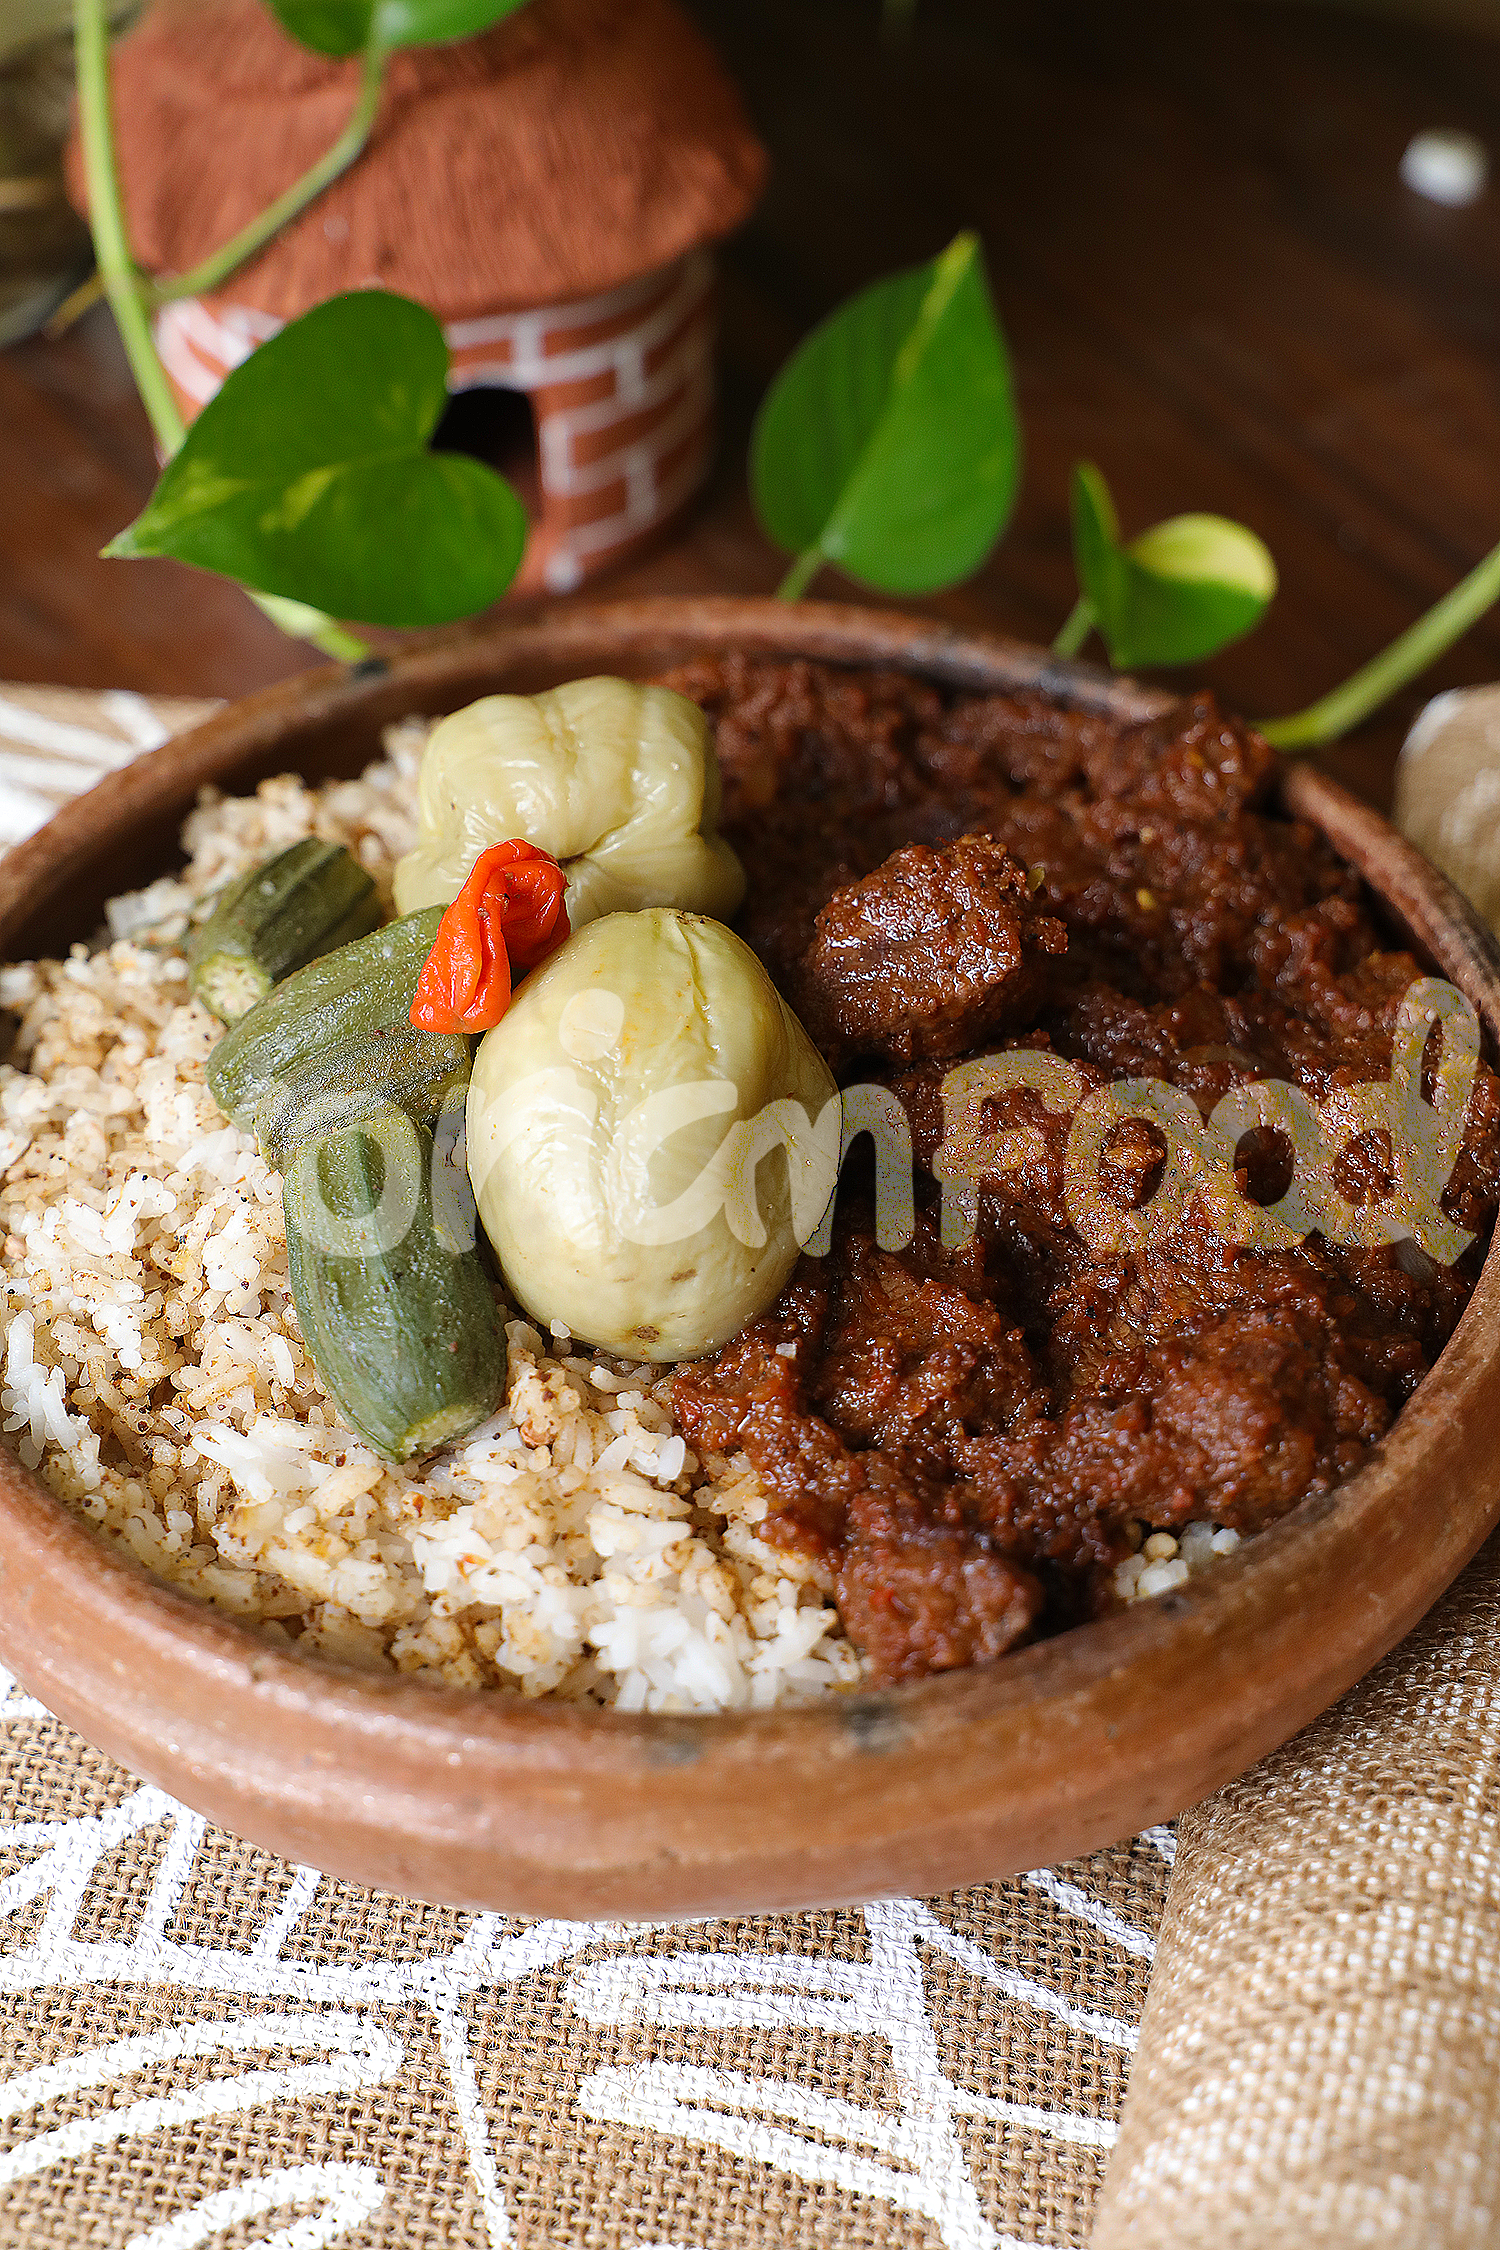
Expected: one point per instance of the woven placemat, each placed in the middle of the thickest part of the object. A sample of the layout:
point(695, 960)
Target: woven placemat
point(201, 2043)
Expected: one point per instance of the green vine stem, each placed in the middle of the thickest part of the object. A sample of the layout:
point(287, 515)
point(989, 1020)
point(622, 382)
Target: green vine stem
point(801, 575)
point(300, 622)
point(1075, 629)
point(106, 217)
point(73, 307)
point(1420, 645)
point(350, 144)
point(232, 254)
point(121, 286)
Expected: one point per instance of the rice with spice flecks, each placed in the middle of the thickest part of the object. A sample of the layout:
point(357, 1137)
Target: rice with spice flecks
point(155, 1377)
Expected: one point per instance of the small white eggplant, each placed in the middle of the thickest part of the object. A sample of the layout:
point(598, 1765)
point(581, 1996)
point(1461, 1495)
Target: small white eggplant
point(623, 1128)
point(619, 782)
point(1448, 791)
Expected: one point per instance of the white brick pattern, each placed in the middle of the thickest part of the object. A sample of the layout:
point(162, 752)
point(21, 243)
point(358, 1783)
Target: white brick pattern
point(651, 368)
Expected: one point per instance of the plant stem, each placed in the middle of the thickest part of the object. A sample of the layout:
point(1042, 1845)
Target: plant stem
point(122, 287)
point(106, 217)
point(300, 622)
point(222, 262)
point(801, 575)
point(1075, 629)
point(1420, 645)
point(73, 307)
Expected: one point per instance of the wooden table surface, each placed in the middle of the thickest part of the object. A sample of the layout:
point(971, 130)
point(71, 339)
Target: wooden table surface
point(1212, 280)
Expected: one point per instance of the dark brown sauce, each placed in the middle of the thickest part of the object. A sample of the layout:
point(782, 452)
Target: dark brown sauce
point(974, 1437)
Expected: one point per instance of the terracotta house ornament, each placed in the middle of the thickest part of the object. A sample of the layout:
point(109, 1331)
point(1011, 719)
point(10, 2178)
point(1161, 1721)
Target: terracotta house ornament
point(548, 189)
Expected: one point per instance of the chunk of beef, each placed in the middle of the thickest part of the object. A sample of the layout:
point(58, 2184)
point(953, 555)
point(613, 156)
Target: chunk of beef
point(849, 1398)
point(920, 1594)
point(914, 1350)
point(1234, 1421)
point(937, 951)
point(1192, 763)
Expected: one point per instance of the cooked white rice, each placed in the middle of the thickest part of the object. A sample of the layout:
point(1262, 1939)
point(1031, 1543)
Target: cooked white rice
point(155, 1377)
point(1165, 1559)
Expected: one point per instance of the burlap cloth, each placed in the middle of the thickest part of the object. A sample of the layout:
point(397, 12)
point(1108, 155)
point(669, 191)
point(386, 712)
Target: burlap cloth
point(1320, 2057)
point(203, 2044)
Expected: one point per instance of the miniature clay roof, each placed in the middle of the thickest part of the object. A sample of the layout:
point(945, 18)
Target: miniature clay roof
point(580, 144)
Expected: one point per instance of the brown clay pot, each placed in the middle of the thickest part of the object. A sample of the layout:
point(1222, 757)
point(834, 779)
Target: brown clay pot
point(488, 1800)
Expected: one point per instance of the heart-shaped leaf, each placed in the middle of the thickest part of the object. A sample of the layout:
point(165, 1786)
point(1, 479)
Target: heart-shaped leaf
point(1176, 594)
point(308, 475)
point(889, 442)
point(344, 27)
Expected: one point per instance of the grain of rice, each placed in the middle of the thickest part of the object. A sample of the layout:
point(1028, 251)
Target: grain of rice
point(1165, 1559)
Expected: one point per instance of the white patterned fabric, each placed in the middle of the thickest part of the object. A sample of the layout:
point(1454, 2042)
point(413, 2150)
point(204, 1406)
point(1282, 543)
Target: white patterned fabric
point(197, 2035)
point(56, 742)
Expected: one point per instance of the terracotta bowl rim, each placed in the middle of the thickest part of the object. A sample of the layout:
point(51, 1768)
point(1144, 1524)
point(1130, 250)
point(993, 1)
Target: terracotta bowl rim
point(1314, 1601)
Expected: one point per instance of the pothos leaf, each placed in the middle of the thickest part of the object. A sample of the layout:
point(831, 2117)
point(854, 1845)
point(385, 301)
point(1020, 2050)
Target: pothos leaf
point(1179, 592)
point(344, 27)
point(889, 443)
point(308, 475)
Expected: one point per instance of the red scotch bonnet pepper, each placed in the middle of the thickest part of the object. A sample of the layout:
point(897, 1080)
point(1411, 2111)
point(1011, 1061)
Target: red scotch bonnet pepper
point(507, 918)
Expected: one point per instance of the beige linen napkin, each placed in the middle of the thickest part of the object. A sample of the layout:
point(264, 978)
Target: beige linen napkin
point(200, 2044)
point(1320, 2057)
